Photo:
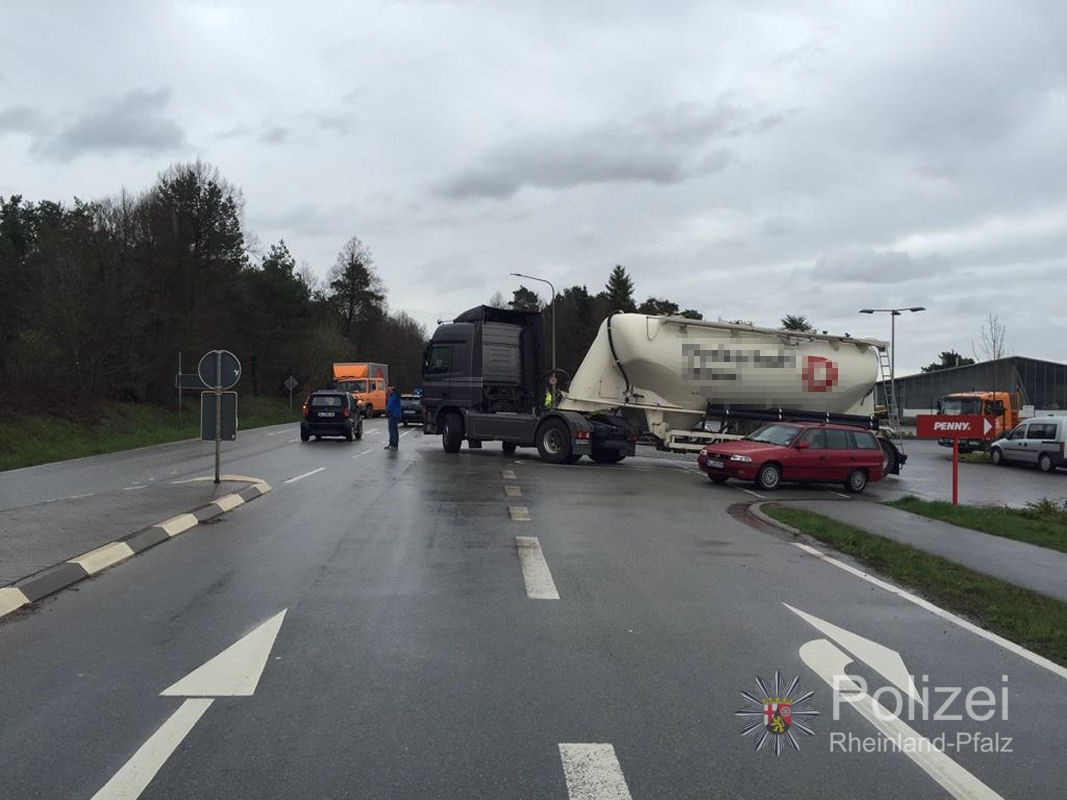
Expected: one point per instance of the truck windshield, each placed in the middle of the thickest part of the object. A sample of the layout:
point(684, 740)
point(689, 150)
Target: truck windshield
point(959, 405)
point(352, 386)
point(774, 434)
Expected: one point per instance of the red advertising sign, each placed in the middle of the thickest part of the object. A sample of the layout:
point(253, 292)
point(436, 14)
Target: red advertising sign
point(953, 426)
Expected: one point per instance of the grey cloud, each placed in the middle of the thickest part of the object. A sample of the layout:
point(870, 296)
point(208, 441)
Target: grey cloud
point(134, 121)
point(276, 134)
point(666, 147)
point(19, 119)
point(867, 265)
point(777, 226)
point(336, 124)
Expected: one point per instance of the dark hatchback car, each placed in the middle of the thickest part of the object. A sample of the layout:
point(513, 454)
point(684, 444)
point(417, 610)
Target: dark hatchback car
point(331, 413)
point(411, 409)
point(799, 452)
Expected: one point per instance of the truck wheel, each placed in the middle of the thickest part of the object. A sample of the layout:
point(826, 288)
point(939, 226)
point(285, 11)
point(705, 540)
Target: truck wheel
point(452, 432)
point(856, 481)
point(1044, 463)
point(768, 477)
point(889, 457)
point(554, 441)
point(509, 448)
point(997, 456)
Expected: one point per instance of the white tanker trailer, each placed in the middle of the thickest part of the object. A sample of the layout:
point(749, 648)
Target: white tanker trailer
point(669, 377)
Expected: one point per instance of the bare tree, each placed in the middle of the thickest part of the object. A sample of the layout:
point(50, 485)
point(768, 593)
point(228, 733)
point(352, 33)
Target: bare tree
point(993, 343)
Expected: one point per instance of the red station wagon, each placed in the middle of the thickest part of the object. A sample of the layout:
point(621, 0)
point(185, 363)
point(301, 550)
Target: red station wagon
point(797, 451)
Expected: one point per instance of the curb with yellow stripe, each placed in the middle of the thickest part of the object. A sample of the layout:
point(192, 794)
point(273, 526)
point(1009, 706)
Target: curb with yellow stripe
point(53, 579)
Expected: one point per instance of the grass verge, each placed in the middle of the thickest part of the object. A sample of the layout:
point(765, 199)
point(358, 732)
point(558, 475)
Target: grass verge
point(1043, 523)
point(29, 440)
point(1030, 619)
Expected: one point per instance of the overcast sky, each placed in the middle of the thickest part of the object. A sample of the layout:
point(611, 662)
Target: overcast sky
point(748, 160)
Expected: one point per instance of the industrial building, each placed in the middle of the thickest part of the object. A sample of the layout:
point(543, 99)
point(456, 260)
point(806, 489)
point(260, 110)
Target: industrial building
point(1043, 384)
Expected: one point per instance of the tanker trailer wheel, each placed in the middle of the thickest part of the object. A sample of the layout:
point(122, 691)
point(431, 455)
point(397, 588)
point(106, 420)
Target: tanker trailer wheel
point(554, 441)
point(856, 481)
point(889, 457)
point(452, 432)
point(768, 477)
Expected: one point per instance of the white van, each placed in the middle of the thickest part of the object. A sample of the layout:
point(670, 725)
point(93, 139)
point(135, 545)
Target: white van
point(1041, 441)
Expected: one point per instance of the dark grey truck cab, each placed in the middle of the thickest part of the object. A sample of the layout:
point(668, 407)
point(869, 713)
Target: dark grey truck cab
point(484, 379)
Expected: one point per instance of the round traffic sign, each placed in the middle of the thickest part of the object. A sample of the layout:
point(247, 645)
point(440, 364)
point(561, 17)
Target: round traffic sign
point(219, 369)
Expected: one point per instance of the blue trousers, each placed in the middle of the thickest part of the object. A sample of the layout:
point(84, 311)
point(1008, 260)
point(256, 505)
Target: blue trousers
point(394, 431)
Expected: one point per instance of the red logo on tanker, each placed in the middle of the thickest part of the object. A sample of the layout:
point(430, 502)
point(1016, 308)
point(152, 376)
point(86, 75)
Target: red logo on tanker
point(819, 374)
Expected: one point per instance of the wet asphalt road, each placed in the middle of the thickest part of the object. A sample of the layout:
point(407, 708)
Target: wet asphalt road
point(413, 661)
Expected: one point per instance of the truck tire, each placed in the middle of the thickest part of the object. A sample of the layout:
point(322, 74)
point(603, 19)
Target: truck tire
point(554, 441)
point(368, 411)
point(889, 457)
point(509, 448)
point(769, 476)
point(452, 432)
point(359, 427)
point(856, 481)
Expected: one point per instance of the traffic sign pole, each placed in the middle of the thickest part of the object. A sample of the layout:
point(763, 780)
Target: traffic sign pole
point(218, 414)
point(955, 470)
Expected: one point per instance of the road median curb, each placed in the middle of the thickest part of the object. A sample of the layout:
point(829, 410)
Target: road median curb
point(60, 576)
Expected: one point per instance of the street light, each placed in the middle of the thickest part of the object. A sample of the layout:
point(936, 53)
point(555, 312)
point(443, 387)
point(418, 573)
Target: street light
point(893, 314)
point(553, 305)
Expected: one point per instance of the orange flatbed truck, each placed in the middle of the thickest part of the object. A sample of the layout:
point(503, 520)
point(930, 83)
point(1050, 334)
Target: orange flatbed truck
point(367, 381)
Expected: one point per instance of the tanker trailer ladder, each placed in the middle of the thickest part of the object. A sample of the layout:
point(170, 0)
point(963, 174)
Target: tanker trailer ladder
point(890, 391)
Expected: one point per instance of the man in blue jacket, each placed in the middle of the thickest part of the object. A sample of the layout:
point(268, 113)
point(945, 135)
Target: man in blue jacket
point(394, 411)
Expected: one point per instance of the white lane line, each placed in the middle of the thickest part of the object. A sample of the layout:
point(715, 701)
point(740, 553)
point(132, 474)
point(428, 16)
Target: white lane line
point(839, 494)
point(513, 491)
point(130, 781)
point(754, 494)
point(277, 433)
point(363, 453)
point(133, 488)
point(292, 441)
point(1011, 647)
point(305, 475)
point(593, 772)
point(830, 664)
point(535, 572)
point(508, 474)
point(70, 497)
point(519, 513)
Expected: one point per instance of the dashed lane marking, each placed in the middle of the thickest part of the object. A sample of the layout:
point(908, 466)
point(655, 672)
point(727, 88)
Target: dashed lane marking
point(754, 494)
point(362, 453)
point(513, 491)
point(519, 513)
point(305, 475)
point(535, 572)
point(508, 474)
point(593, 772)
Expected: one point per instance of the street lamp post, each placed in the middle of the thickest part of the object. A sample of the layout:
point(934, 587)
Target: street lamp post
point(553, 304)
point(893, 314)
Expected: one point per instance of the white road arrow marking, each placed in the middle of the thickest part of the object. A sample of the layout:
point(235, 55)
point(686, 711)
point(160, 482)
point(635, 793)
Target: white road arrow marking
point(829, 663)
point(878, 657)
point(234, 672)
point(592, 772)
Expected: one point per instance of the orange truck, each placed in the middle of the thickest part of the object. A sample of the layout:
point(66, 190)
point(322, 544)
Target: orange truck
point(1005, 406)
point(366, 381)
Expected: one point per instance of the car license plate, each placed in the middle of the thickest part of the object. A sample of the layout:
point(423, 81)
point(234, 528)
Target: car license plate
point(325, 413)
point(714, 464)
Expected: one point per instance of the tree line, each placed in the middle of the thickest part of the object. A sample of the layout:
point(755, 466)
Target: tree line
point(98, 300)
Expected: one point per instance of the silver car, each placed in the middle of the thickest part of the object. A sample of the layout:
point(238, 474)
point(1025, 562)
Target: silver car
point(1041, 441)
